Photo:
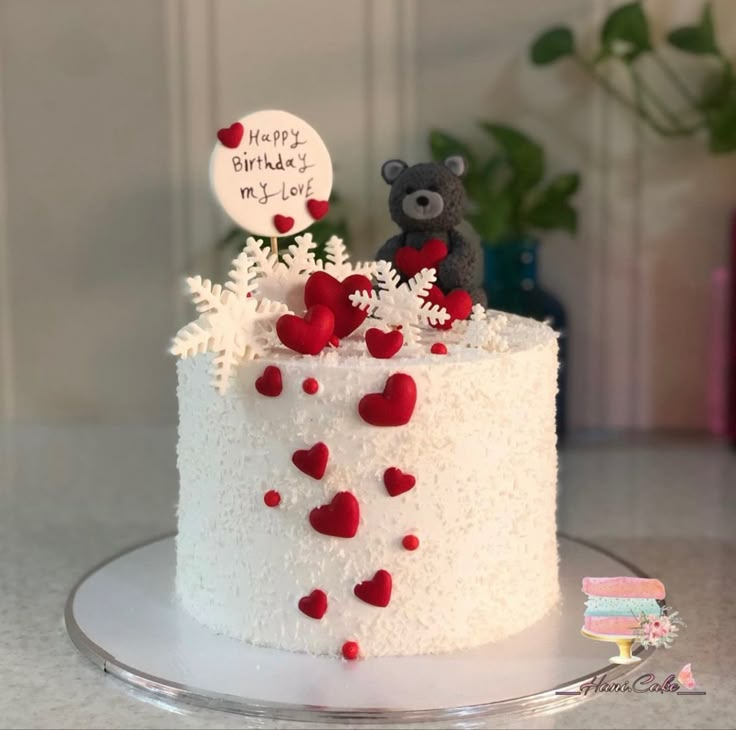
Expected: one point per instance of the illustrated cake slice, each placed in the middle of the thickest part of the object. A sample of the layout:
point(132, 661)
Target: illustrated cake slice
point(364, 469)
point(615, 605)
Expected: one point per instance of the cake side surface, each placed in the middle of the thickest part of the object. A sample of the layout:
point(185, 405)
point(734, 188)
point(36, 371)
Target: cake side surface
point(480, 444)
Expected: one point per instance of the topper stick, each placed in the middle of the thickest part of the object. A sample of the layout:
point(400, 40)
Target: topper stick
point(274, 245)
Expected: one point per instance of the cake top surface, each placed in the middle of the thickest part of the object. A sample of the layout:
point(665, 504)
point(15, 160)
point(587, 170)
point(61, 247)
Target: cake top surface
point(297, 306)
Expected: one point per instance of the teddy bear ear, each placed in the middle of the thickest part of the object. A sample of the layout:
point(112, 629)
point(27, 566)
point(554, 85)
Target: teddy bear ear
point(392, 169)
point(456, 165)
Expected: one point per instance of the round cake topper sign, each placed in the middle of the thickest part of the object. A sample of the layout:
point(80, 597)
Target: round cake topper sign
point(272, 173)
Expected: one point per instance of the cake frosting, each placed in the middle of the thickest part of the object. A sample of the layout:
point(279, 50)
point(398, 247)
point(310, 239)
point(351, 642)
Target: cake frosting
point(367, 455)
point(464, 552)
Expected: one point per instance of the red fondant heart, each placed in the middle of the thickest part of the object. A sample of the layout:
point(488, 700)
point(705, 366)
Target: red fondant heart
point(321, 288)
point(411, 261)
point(318, 208)
point(394, 406)
point(383, 345)
point(458, 304)
point(397, 482)
point(307, 335)
point(312, 462)
point(231, 136)
point(339, 518)
point(315, 604)
point(283, 223)
point(270, 382)
point(376, 591)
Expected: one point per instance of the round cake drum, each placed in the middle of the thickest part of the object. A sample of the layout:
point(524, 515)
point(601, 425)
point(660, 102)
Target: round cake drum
point(124, 616)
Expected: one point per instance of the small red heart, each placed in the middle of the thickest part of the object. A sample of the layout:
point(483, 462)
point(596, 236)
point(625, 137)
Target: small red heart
point(312, 462)
point(231, 136)
point(318, 208)
point(376, 591)
point(458, 304)
point(283, 223)
point(339, 518)
point(410, 261)
point(397, 482)
point(324, 289)
point(307, 335)
point(394, 406)
point(383, 345)
point(270, 382)
point(314, 605)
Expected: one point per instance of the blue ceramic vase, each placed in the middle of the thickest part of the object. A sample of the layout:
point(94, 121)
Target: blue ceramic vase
point(512, 286)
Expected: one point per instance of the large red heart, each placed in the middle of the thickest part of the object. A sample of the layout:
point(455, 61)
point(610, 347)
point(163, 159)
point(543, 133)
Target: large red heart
point(283, 223)
point(394, 406)
point(314, 605)
point(411, 261)
point(339, 518)
point(376, 591)
point(270, 382)
point(383, 345)
point(231, 136)
point(324, 289)
point(458, 304)
point(312, 462)
point(396, 482)
point(318, 208)
point(307, 335)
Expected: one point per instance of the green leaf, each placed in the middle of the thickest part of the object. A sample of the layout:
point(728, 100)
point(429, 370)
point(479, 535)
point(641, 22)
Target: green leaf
point(524, 155)
point(493, 220)
point(625, 32)
point(699, 39)
point(479, 182)
point(553, 215)
point(551, 208)
point(552, 45)
point(721, 124)
point(442, 145)
point(563, 186)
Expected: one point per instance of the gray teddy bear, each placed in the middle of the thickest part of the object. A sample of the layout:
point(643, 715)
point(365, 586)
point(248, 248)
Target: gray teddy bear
point(427, 201)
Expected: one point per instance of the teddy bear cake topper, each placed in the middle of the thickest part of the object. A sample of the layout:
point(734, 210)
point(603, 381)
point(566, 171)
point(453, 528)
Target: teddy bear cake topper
point(427, 202)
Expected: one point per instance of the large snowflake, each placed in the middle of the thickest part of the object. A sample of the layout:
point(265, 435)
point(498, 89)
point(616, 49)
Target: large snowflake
point(337, 261)
point(483, 331)
point(283, 281)
point(396, 304)
point(233, 323)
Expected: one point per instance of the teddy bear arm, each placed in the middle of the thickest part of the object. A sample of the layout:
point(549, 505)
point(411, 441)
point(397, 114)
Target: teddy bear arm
point(387, 252)
point(463, 266)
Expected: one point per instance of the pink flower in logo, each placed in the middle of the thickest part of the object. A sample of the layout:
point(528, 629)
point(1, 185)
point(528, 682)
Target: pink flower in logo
point(659, 631)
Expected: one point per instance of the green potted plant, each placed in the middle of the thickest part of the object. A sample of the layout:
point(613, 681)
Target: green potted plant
point(625, 40)
point(512, 201)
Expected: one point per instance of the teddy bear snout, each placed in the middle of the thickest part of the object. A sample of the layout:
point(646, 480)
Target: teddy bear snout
point(423, 205)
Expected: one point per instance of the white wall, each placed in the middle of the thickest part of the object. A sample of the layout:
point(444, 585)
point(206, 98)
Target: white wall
point(108, 111)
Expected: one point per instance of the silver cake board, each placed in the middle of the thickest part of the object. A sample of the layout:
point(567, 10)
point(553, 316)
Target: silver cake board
point(125, 617)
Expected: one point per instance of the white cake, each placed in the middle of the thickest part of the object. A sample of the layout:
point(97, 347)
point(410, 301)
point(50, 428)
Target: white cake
point(481, 446)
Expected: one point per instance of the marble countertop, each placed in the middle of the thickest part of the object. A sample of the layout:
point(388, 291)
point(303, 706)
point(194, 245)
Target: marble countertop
point(72, 496)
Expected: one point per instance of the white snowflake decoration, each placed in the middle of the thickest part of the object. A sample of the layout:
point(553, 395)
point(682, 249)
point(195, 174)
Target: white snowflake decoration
point(482, 332)
point(397, 304)
point(338, 264)
point(283, 281)
point(233, 323)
